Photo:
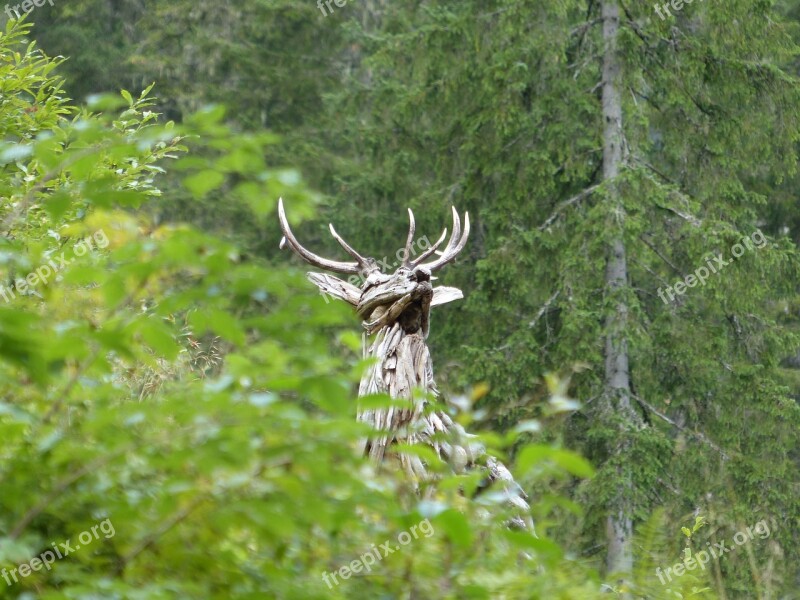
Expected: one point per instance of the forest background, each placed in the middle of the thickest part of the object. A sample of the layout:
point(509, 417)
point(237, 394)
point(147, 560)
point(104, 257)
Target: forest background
point(188, 384)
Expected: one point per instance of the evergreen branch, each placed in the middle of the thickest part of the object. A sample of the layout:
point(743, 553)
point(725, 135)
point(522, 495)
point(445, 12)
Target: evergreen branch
point(672, 422)
point(680, 84)
point(544, 309)
point(634, 25)
point(652, 273)
point(661, 256)
point(685, 216)
point(588, 191)
point(663, 176)
point(581, 29)
point(645, 97)
point(637, 28)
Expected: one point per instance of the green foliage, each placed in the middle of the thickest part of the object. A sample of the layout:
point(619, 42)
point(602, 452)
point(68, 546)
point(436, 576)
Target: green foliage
point(495, 107)
point(192, 402)
point(491, 106)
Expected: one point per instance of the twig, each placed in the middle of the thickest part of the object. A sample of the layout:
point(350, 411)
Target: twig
point(544, 308)
point(560, 208)
point(661, 256)
point(581, 29)
point(62, 485)
point(40, 185)
point(151, 538)
point(59, 401)
point(56, 405)
point(696, 434)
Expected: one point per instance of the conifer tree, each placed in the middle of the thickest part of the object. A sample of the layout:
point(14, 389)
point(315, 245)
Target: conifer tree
point(607, 154)
point(617, 265)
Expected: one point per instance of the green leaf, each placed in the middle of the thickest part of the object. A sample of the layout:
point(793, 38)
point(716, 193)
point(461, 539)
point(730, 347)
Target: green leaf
point(219, 322)
point(455, 526)
point(159, 337)
point(14, 152)
point(201, 183)
point(57, 203)
point(571, 462)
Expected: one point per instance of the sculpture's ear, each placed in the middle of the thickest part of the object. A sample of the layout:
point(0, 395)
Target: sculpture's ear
point(443, 295)
point(333, 286)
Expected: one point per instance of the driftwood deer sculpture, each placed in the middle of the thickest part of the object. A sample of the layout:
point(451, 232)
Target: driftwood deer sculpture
point(395, 309)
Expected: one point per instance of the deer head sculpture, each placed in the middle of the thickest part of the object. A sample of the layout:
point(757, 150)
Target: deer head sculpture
point(395, 307)
point(383, 298)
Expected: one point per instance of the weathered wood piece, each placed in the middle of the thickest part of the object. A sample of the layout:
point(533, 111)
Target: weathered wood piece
point(395, 310)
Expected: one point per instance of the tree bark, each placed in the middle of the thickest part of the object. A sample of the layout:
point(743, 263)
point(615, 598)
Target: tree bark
point(617, 393)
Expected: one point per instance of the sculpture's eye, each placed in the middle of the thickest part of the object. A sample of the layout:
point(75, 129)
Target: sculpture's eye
point(422, 274)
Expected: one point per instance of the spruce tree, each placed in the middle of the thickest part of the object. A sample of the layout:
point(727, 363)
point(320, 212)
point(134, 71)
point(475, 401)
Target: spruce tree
point(606, 154)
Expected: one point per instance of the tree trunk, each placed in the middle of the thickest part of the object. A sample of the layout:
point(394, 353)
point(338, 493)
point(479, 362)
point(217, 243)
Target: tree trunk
point(619, 525)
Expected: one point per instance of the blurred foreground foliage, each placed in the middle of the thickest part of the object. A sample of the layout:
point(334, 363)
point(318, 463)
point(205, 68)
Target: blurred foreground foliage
point(201, 402)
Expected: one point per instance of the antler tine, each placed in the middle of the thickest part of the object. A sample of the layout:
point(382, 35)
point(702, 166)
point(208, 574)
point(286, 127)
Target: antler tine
point(310, 257)
point(430, 250)
point(454, 236)
point(456, 244)
point(347, 247)
point(412, 228)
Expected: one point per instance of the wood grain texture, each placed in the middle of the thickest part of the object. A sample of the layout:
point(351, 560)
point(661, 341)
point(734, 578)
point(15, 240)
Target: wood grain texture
point(395, 310)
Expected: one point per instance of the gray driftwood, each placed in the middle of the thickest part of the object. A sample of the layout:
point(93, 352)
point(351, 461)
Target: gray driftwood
point(395, 310)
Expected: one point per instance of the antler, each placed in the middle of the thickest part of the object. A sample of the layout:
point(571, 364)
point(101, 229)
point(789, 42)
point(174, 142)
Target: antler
point(411, 229)
point(429, 251)
point(361, 265)
point(407, 262)
point(456, 244)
